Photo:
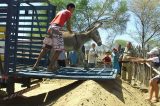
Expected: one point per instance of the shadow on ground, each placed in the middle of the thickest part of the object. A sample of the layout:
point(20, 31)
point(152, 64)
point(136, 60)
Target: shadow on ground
point(41, 99)
point(114, 87)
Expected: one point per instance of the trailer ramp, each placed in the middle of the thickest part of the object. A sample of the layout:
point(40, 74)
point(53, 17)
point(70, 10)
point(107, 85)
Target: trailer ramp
point(77, 73)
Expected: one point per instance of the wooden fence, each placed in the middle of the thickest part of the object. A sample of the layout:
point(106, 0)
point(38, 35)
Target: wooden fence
point(142, 73)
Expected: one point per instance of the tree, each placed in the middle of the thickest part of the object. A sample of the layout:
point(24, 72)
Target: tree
point(146, 13)
point(111, 12)
point(153, 43)
point(121, 42)
point(109, 43)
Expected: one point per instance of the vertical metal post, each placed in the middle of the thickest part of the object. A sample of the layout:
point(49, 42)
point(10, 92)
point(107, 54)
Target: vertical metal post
point(7, 42)
point(11, 43)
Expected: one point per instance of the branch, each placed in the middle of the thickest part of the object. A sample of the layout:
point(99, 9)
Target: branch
point(153, 33)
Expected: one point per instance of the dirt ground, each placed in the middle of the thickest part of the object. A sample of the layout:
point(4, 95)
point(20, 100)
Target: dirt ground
point(60, 92)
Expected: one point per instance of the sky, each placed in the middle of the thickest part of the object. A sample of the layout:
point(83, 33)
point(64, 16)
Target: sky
point(130, 28)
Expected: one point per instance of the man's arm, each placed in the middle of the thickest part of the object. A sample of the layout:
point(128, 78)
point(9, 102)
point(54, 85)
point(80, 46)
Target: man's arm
point(141, 60)
point(69, 26)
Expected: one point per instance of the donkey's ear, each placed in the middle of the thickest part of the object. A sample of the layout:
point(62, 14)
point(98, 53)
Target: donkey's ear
point(97, 24)
point(94, 25)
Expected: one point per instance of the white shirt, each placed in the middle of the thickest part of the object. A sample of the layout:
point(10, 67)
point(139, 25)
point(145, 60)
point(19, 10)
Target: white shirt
point(92, 58)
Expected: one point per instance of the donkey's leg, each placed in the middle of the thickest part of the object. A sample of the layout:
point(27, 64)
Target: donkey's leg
point(42, 53)
point(53, 59)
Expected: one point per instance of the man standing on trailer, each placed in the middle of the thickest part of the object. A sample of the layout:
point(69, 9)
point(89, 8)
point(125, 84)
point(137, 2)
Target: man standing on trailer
point(54, 40)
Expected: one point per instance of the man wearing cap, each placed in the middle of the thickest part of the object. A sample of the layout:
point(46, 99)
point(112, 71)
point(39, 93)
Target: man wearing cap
point(153, 83)
point(153, 57)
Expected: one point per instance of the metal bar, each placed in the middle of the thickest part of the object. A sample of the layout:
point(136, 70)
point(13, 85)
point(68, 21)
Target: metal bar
point(34, 32)
point(28, 37)
point(3, 1)
point(35, 26)
point(16, 33)
point(33, 1)
point(7, 40)
point(21, 92)
point(36, 7)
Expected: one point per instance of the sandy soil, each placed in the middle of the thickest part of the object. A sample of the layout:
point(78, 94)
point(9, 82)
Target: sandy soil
point(81, 93)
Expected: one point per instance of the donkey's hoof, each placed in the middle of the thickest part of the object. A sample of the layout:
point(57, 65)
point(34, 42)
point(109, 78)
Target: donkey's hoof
point(52, 69)
point(35, 68)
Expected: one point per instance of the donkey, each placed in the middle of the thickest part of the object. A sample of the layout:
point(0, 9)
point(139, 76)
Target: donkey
point(76, 40)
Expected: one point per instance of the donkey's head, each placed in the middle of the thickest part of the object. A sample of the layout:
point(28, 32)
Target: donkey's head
point(93, 33)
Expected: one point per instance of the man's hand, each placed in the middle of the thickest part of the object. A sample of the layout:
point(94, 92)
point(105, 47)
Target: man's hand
point(71, 32)
point(49, 36)
point(69, 26)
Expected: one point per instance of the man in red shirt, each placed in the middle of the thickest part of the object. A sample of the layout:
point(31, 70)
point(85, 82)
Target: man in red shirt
point(54, 40)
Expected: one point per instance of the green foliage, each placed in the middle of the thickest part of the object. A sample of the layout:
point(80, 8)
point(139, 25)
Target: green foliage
point(111, 12)
point(117, 17)
point(121, 42)
point(154, 43)
point(147, 13)
point(61, 4)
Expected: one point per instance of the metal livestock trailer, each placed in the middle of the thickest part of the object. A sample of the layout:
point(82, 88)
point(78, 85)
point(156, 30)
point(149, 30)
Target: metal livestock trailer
point(23, 25)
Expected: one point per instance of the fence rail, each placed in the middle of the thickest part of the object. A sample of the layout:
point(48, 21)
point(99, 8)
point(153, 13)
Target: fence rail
point(142, 73)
